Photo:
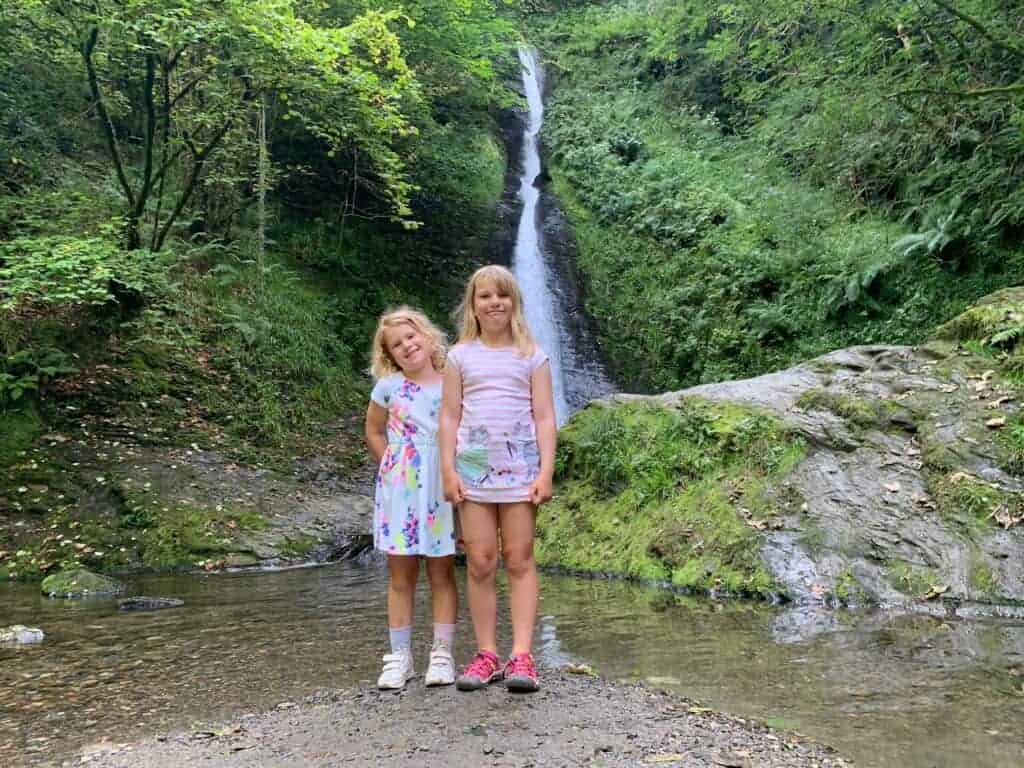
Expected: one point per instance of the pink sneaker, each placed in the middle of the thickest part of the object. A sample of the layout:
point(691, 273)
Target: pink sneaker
point(521, 674)
point(484, 669)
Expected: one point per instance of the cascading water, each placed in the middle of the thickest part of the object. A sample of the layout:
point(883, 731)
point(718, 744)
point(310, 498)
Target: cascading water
point(577, 372)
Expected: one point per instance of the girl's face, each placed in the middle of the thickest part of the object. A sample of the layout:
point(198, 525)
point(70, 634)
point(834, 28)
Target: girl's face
point(492, 307)
point(409, 348)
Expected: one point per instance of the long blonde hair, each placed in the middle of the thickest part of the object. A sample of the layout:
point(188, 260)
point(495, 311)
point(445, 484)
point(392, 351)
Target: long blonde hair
point(381, 361)
point(505, 282)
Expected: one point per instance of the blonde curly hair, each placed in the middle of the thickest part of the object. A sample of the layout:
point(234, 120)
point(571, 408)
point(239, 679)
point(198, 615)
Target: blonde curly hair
point(505, 282)
point(381, 361)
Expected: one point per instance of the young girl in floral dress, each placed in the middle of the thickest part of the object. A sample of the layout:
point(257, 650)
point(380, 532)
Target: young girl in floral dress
point(411, 517)
point(497, 441)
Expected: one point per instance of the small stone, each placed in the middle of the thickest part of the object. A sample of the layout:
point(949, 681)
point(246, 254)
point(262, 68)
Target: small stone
point(21, 635)
point(996, 423)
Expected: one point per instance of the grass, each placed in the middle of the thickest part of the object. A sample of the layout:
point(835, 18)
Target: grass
point(667, 494)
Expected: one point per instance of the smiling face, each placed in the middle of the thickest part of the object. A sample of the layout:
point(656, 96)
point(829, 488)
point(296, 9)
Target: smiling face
point(492, 307)
point(409, 348)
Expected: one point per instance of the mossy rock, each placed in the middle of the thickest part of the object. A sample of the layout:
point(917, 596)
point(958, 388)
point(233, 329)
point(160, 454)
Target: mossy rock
point(668, 494)
point(80, 583)
point(996, 320)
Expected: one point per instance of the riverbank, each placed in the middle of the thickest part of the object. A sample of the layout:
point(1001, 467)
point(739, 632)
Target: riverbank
point(575, 720)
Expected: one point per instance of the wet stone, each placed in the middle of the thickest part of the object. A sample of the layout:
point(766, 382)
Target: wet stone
point(79, 583)
point(143, 603)
point(19, 634)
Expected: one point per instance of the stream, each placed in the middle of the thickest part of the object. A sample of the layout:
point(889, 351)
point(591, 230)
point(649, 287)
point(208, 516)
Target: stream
point(886, 690)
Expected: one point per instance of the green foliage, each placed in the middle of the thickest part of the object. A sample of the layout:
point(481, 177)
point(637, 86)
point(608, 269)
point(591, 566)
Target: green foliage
point(746, 194)
point(667, 494)
point(18, 430)
point(25, 372)
point(60, 271)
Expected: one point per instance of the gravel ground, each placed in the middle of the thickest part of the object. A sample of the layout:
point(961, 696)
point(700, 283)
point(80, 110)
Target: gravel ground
point(576, 720)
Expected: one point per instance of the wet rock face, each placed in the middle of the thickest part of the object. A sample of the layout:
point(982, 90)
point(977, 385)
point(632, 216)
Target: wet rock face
point(80, 583)
point(911, 488)
point(19, 634)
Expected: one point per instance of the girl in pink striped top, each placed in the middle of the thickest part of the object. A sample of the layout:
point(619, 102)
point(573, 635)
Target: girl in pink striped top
point(497, 443)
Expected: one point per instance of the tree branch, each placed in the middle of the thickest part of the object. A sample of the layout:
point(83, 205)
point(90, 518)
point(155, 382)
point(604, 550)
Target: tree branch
point(150, 137)
point(980, 28)
point(87, 49)
point(199, 158)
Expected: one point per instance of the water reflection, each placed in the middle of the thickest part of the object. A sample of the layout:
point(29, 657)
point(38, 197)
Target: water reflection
point(910, 691)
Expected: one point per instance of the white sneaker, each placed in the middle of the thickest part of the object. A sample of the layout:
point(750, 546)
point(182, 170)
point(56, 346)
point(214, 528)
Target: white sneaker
point(442, 668)
point(397, 670)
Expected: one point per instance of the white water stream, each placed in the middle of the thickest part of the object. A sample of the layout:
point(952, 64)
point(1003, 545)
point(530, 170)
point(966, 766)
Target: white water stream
point(577, 372)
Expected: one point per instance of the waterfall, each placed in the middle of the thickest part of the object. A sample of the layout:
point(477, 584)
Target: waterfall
point(577, 372)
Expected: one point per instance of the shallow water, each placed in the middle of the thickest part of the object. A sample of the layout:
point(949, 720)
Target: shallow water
point(888, 691)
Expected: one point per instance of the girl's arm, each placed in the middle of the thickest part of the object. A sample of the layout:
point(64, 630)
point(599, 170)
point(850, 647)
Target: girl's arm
point(547, 432)
point(376, 430)
point(448, 425)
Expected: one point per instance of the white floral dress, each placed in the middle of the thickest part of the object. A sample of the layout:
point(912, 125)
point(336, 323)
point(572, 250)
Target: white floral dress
point(411, 516)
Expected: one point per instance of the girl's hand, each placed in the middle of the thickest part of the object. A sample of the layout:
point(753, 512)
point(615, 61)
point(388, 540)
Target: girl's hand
point(540, 490)
point(454, 490)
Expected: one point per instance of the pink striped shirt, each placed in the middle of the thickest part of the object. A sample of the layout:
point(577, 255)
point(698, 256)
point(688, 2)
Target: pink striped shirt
point(496, 450)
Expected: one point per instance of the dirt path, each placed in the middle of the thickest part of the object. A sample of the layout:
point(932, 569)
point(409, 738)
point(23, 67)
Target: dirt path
point(574, 721)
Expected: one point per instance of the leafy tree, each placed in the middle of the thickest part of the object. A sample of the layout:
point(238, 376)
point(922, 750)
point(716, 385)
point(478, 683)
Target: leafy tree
point(173, 86)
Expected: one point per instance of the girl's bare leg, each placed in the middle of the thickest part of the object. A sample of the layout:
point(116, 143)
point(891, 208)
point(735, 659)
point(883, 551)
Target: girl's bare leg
point(480, 537)
point(403, 571)
point(517, 523)
point(444, 597)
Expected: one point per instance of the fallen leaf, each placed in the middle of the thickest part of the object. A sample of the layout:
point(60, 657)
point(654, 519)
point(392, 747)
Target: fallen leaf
point(580, 669)
point(988, 375)
point(668, 757)
point(1005, 517)
point(935, 591)
point(959, 477)
point(1001, 400)
point(996, 423)
point(699, 710)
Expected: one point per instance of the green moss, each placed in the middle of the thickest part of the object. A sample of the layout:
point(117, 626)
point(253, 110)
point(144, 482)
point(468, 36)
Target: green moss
point(981, 577)
point(665, 494)
point(913, 580)
point(79, 582)
point(997, 320)
point(18, 430)
point(848, 590)
point(174, 534)
point(972, 503)
point(298, 546)
point(858, 412)
point(813, 537)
